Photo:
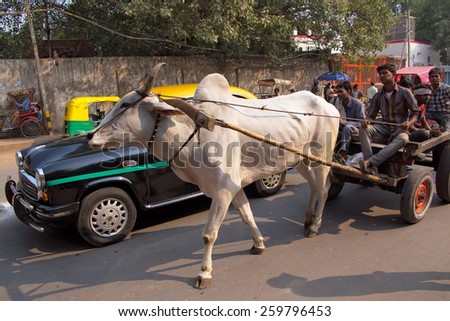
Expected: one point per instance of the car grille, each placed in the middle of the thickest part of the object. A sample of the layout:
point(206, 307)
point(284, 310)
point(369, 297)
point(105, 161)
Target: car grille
point(27, 185)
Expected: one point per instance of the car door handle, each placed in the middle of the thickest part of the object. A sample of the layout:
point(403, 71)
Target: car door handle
point(129, 163)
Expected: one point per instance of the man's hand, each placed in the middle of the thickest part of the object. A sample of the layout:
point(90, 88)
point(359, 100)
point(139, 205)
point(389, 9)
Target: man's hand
point(365, 123)
point(405, 126)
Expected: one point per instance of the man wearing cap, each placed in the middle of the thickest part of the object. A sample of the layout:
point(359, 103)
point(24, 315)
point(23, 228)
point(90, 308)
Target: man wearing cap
point(438, 107)
point(421, 130)
point(399, 112)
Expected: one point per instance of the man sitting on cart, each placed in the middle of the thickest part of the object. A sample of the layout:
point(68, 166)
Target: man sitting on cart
point(350, 109)
point(438, 107)
point(396, 105)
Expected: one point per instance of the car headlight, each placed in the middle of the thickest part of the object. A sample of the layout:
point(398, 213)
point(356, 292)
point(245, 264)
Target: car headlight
point(40, 183)
point(19, 159)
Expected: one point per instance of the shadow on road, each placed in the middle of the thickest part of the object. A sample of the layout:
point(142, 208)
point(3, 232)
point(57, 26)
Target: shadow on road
point(166, 247)
point(363, 284)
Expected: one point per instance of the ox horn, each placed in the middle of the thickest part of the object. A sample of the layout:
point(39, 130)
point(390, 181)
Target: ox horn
point(146, 88)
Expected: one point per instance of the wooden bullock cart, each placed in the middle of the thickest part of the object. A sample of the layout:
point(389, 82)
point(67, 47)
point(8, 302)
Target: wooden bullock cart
point(415, 184)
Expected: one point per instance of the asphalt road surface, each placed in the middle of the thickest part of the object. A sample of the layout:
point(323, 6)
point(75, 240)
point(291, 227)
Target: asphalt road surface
point(364, 251)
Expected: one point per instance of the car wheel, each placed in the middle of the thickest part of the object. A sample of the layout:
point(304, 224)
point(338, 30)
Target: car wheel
point(106, 216)
point(267, 186)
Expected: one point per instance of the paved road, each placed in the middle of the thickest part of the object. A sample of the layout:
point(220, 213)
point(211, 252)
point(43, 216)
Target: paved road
point(364, 252)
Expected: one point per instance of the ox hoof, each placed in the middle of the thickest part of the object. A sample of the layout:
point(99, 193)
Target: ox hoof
point(256, 251)
point(310, 233)
point(202, 283)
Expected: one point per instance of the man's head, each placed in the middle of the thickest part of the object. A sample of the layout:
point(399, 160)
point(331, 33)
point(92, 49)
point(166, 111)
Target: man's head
point(386, 72)
point(407, 84)
point(422, 94)
point(435, 76)
point(344, 90)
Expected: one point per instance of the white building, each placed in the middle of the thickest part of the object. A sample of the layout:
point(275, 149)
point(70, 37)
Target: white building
point(421, 53)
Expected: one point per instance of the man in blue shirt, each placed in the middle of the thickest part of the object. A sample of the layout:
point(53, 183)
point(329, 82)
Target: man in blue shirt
point(350, 109)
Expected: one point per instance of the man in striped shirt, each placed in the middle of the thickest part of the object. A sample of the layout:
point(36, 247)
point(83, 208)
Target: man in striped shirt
point(399, 112)
point(438, 107)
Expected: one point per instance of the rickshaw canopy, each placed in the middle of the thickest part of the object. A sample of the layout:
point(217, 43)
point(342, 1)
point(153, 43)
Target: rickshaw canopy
point(421, 71)
point(274, 82)
point(77, 109)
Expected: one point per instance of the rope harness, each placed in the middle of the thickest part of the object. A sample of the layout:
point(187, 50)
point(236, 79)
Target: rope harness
point(264, 107)
point(151, 141)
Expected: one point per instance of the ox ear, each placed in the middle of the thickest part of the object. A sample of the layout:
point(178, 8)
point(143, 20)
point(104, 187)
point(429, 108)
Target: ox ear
point(165, 109)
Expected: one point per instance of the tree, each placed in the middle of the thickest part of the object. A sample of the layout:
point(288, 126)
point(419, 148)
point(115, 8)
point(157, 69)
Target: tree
point(433, 25)
point(224, 29)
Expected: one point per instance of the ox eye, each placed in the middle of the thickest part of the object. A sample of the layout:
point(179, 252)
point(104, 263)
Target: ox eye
point(125, 105)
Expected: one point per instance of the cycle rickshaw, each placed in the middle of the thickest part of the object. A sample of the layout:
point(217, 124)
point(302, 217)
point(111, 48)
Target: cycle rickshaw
point(27, 118)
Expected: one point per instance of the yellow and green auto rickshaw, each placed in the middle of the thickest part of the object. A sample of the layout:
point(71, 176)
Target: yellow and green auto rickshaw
point(82, 114)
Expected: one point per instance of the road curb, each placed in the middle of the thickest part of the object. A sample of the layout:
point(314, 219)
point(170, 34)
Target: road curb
point(15, 144)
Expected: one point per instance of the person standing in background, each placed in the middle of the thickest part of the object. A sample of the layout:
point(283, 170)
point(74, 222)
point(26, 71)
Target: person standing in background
point(371, 91)
point(315, 87)
point(356, 93)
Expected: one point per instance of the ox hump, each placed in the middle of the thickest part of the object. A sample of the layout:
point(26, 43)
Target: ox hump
point(213, 86)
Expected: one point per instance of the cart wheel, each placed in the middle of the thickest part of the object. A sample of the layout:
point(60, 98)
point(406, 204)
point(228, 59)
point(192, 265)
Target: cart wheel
point(416, 196)
point(443, 174)
point(335, 188)
point(30, 128)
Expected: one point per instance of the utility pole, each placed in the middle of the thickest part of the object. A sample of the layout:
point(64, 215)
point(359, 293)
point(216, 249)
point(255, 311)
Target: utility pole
point(38, 64)
point(47, 25)
point(408, 32)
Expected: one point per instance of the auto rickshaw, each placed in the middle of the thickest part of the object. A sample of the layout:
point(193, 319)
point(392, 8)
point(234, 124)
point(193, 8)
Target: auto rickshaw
point(82, 114)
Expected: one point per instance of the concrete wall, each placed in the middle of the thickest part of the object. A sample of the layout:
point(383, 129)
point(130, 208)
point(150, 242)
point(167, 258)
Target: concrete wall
point(67, 78)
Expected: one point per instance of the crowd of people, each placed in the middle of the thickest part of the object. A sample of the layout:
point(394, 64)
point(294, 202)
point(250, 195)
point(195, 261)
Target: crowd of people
point(396, 114)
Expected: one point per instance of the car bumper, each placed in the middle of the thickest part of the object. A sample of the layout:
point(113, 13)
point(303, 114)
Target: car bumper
point(37, 215)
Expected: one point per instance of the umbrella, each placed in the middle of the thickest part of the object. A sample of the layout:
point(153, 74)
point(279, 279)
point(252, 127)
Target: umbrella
point(333, 75)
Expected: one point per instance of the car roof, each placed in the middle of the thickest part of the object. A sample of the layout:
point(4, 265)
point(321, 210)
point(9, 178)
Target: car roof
point(187, 91)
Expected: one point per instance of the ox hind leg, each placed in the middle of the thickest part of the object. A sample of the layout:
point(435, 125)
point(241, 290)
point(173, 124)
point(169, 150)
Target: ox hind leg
point(319, 183)
point(217, 211)
point(240, 201)
point(322, 185)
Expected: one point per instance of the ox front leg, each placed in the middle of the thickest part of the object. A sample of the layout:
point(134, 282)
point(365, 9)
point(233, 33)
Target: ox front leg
point(240, 201)
point(217, 212)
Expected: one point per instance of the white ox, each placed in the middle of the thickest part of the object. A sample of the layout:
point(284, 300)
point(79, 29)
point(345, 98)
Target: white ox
point(221, 162)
